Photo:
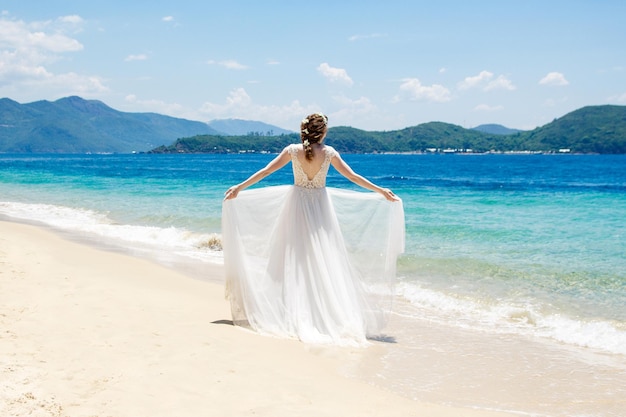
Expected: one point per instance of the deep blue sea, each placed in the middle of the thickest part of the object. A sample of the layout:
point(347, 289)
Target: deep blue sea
point(526, 244)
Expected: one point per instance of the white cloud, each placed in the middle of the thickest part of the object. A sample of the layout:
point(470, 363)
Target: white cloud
point(363, 37)
point(500, 83)
point(362, 102)
point(488, 108)
point(475, 81)
point(334, 74)
point(139, 57)
point(19, 67)
point(71, 19)
point(229, 64)
point(237, 100)
point(168, 18)
point(238, 104)
point(77, 84)
point(38, 79)
point(554, 78)
point(485, 81)
point(157, 106)
point(238, 97)
point(352, 109)
point(413, 88)
point(27, 50)
point(23, 37)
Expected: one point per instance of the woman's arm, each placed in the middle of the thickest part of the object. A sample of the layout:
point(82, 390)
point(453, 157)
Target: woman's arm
point(344, 169)
point(277, 163)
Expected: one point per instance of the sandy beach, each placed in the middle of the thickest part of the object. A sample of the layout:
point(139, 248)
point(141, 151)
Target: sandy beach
point(88, 332)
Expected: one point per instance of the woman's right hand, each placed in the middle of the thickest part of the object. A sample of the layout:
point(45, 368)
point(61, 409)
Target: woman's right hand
point(389, 195)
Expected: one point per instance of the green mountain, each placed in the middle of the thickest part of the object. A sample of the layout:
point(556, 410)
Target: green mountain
point(496, 129)
point(75, 125)
point(593, 129)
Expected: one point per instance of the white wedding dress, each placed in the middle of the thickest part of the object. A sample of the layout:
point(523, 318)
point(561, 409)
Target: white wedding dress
point(311, 262)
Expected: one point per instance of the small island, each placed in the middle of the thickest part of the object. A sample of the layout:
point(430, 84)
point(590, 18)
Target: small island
point(591, 130)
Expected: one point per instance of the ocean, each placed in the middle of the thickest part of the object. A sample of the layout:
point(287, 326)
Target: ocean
point(499, 247)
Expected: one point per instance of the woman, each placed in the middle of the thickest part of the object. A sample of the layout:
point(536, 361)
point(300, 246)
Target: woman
point(307, 261)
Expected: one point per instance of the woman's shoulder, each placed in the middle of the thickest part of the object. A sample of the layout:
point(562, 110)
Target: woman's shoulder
point(293, 148)
point(330, 151)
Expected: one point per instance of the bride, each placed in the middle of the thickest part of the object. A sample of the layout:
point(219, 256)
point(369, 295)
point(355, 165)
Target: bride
point(307, 261)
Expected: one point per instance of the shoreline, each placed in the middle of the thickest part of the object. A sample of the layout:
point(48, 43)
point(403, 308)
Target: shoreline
point(93, 332)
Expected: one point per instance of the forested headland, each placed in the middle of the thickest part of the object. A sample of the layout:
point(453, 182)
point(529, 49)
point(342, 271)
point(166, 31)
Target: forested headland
point(592, 129)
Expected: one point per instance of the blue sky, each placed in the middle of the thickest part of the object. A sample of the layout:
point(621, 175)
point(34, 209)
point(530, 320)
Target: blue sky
point(373, 65)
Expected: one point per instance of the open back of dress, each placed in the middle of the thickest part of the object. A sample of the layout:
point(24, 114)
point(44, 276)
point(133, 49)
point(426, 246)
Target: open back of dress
point(311, 262)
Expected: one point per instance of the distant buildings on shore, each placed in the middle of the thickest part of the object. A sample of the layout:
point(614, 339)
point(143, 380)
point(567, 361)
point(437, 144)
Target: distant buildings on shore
point(471, 151)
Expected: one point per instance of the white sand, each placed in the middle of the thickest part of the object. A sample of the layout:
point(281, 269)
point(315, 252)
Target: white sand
point(85, 332)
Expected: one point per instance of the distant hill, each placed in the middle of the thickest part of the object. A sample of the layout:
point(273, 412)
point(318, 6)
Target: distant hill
point(75, 125)
point(238, 127)
point(593, 129)
point(496, 129)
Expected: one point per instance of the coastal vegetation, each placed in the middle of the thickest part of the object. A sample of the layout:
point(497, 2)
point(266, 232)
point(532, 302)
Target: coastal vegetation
point(593, 129)
point(75, 125)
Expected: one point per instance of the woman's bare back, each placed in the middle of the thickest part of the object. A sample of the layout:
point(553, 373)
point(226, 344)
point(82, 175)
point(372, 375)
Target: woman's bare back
point(312, 167)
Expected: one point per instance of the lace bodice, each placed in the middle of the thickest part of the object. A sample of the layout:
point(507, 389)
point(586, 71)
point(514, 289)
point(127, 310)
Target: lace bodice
point(300, 177)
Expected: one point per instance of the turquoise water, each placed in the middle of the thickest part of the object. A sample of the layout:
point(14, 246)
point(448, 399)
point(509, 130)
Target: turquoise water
point(524, 244)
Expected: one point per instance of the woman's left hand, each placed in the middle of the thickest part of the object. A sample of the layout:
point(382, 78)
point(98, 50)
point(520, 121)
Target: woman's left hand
point(231, 192)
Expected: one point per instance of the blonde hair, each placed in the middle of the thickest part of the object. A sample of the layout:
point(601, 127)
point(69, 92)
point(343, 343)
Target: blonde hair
point(312, 130)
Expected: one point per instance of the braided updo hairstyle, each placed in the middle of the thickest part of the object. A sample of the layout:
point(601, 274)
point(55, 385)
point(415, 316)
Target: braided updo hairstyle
point(312, 130)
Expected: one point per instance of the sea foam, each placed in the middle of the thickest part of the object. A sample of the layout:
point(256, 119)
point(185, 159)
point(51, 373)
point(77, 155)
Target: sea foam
point(515, 317)
point(97, 226)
